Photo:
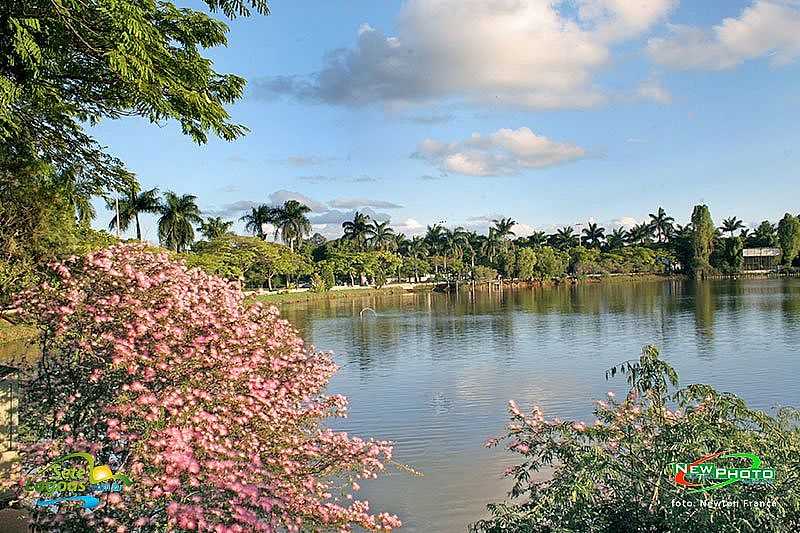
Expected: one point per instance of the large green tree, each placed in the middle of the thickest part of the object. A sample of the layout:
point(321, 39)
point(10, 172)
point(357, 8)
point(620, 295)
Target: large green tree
point(731, 224)
point(764, 235)
point(616, 239)
point(214, 228)
point(68, 64)
point(594, 235)
point(291, 222)
point(565, 238)
point(380, 235)
point(179, 215)
point(257, 219)
point(789, 237)
point(662, 224)
point(130, 206)
point(503, 227)
point(357, 230)
point(702, 241)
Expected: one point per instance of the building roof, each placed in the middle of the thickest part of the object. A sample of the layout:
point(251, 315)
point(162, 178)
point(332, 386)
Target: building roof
point(761, 252)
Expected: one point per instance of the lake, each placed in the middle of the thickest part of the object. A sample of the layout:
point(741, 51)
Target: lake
point(434, 372)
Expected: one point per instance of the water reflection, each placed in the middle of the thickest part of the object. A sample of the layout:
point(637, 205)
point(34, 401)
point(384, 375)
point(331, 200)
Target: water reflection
point(433, 372)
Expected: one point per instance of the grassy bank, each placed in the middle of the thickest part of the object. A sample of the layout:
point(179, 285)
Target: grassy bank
point(297, 297)
point(15, 332)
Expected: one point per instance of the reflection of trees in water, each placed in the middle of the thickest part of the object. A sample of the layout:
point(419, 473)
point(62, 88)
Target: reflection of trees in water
point(705, 307)
point(790, 304)
point(496, 323)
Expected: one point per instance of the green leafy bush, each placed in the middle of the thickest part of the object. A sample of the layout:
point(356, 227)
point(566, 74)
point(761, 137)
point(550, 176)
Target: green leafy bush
point(484, 273)
point(617, 474)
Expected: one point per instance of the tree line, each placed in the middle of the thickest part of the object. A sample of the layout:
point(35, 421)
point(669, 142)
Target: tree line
point(371, 251)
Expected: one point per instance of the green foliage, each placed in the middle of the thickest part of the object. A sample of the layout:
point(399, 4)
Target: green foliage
point(550, 263)
point(615, 475)
point(214, 228)
point(414, 267)
point(702, 241)
point(179, 215)
point(291, 223)
point(506, 262)
point(67, 64)
point(789, 238)
point(324, 278)
point(584, 260)
point(730, 258)
point(526, 263)
point(764, 236)
point(130, 206)
point(37, 225)
point(483, 273)
point(249, 259)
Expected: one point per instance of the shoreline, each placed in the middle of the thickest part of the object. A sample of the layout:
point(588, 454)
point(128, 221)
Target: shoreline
point(353, 293)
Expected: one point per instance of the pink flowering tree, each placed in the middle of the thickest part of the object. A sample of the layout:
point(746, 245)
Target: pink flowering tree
point(616, 473)
point(211, 406)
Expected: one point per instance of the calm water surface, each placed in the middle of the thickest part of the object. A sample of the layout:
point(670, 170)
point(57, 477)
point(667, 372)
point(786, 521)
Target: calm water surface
point(434, 372)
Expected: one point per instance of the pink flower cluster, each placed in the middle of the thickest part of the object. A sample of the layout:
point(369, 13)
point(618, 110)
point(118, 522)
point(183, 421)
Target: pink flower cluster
point(215, 405)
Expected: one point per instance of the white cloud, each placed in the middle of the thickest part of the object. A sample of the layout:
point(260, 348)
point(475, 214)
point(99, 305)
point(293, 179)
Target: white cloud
point(279, 197)
point(653, 90)
point(503, 152)
point(231, 209)
point(410, 227)
point(532, 53)
point(622, 19)
point(623, 222)
point(523, 230)
point(767, 28)
point(351, 203)
point(336, 216)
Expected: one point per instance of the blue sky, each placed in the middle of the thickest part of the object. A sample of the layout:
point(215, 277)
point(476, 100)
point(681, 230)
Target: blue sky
point(464, 110)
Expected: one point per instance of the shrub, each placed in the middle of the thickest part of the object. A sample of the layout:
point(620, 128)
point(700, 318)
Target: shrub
point(213, 408)
point(550, 263)
point(484, 273)
point(615, 475)
point(526, 263)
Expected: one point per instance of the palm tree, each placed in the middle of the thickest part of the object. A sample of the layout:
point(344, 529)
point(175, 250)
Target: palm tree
point(129, 208)
point(357, 230)
point(379, 235)
point(215, 227)
point(661, 224)
point(78, 192)
point(616, 239)
point(491, 245)
point(256, 220)
point(641, 233)
point(178, 216)
point(537, 239)
point(417, 249)
point(765, 235)
point(594, 235)
point(566, 238)
point(291, 222)
point(731, 224)
point(400, 243)
point(744, 234)
point(503, 228)
point(453, 243)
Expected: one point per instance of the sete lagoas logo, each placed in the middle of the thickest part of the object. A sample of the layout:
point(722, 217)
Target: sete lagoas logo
point(704, 476)
point(74, 478)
